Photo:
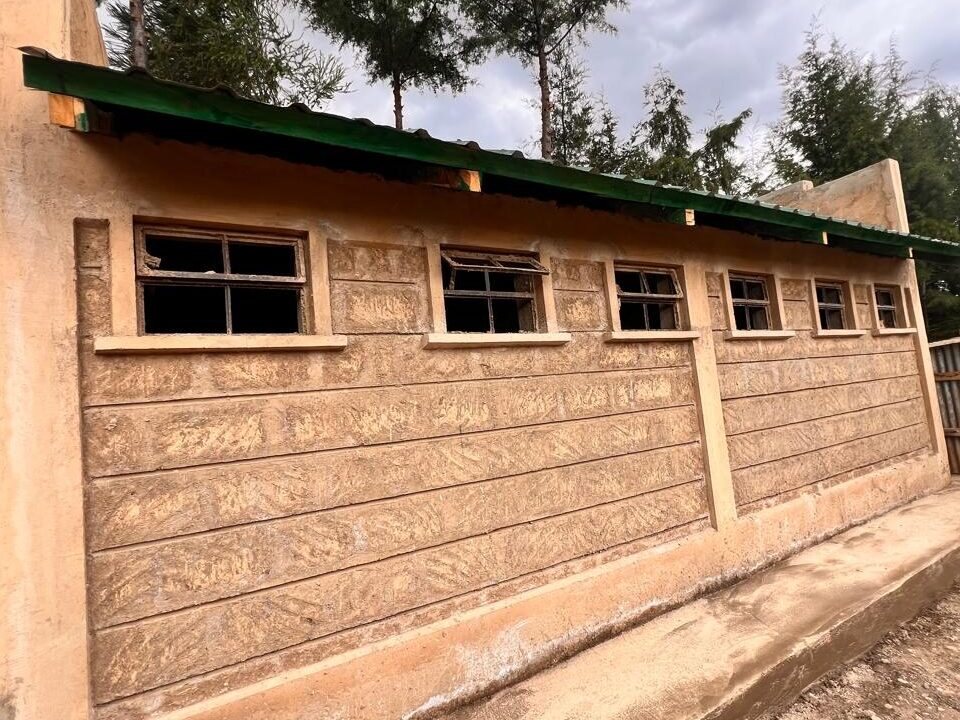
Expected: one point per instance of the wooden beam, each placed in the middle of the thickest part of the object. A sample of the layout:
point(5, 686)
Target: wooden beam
point(455, 178)
point(68, 112)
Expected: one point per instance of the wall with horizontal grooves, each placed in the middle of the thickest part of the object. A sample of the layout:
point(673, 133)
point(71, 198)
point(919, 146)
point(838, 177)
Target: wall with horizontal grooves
point(251, 512)
point(811, 410)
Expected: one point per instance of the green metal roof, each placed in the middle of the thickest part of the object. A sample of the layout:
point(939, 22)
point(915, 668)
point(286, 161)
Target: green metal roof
point(137, 90)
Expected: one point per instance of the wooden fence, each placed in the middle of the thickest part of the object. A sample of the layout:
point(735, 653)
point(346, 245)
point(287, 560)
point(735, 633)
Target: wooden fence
point(946, 368)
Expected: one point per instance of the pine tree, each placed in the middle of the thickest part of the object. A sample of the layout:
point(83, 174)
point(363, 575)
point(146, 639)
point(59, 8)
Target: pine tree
point(842, 112)
point(666, 133)
point(605, 152)
point(408, 43)
point(718, 170)
point(587, 133)
point(835, 113)
point(533, 31)
point(242, 44)
point(572, 112)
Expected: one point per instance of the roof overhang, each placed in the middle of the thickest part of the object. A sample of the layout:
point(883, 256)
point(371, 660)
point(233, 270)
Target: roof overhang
point(198, 111)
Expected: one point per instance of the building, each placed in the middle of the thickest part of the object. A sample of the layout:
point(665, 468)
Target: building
point(306, 416)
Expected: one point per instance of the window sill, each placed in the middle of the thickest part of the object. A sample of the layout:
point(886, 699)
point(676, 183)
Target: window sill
point(151, 344)
point(481, 340)
point(627, 336)
point(895, 331)
point(759, 334)
point(847, 332)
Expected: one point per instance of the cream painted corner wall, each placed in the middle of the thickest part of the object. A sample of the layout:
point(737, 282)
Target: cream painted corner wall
point(43, 642)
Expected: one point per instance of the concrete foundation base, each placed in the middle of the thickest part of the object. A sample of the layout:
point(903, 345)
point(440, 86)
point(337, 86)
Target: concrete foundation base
point(759, 643)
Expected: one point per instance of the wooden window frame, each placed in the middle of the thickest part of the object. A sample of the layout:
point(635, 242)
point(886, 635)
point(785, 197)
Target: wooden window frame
point(617, 334)
point(904, 325)
point(896, 295)
point(773, 303)
point(546, 334)
point(851, 326)
point(675, 299)
point(846, 317)
point(496, 263)
point(146, 275)
point(751, 303)
point(506, 262)
point(891, 309)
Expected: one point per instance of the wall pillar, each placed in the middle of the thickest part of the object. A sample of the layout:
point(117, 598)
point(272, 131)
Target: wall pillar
point(925, 365)
point(713, 433)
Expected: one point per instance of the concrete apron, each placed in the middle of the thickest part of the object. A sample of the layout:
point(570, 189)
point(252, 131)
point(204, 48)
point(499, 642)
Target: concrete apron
point(759, 643)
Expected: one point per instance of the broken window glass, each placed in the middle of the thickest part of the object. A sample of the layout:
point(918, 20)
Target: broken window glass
point(648, 298)
point(491, 292)
point(194, 280)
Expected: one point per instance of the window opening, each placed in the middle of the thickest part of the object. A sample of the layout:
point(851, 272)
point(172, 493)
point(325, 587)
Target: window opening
point(751, 302)
point(648, 298)
point(202, 281)
point(491, 293)
point(886, 299)
point(831, 307)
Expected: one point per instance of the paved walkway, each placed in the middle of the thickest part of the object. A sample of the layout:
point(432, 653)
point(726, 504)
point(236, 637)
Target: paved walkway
point(757, 643)
point(913, 674)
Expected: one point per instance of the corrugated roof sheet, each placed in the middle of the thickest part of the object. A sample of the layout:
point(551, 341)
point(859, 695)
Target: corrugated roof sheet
point(138, 90)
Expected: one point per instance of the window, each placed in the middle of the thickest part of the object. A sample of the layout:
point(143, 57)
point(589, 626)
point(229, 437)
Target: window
point(831, 306)
point(648, 298)
point(887, 306)
point(491, 293)
point(202, 281)
point(751, 302)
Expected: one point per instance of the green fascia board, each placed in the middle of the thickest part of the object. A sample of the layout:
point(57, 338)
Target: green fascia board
point(140, 91)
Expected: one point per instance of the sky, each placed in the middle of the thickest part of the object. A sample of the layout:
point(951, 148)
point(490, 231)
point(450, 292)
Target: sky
point(721, 52)
point(724, 53)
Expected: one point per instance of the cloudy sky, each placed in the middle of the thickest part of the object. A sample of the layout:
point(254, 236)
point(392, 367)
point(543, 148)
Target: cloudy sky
point(724, 52)
point(719, 51)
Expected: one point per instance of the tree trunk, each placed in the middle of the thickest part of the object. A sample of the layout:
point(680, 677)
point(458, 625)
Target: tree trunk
point(546, 128)
point(138, 34)
point(397, 103)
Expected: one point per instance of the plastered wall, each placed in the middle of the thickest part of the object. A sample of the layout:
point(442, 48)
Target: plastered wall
point(808, 411)
point(180, 528)
point(249, 514)
point(253, 511)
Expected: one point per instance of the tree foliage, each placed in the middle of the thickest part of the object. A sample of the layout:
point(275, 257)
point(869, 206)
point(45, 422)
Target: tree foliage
point(242, 44)
point(843, 112)
point(408, 43)
point(718, 167)
point(660, 147)
point(573, 112)
point(534, 31)
point(666, 133)
point(835, 113)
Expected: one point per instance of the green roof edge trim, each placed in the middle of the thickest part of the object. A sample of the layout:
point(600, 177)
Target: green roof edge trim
point(139, 90)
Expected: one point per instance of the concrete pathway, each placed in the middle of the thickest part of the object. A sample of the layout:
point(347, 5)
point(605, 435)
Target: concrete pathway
point(913, 674)
point(759, 643)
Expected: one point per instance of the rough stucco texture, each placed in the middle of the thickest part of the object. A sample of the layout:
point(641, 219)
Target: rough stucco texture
point(344, 489)
point(809, 411)
point(249, 514)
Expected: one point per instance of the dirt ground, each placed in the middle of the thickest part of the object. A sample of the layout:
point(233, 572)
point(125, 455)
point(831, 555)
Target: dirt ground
point(913, 673)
